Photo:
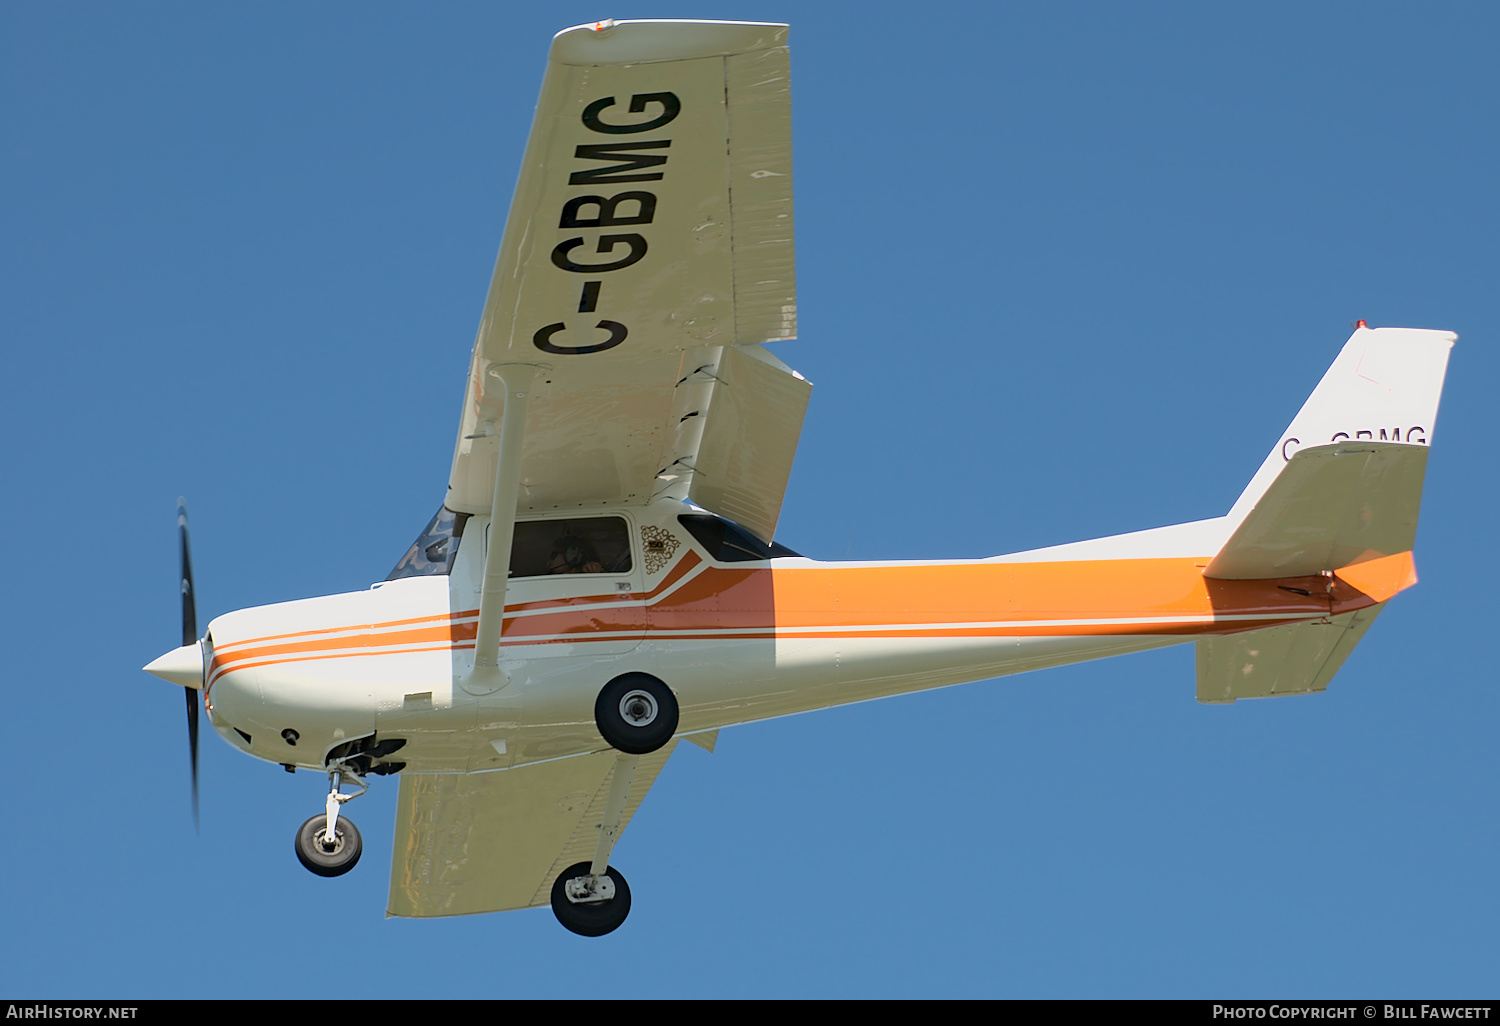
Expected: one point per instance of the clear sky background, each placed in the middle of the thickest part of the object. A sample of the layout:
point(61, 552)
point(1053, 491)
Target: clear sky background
point(1065, 270)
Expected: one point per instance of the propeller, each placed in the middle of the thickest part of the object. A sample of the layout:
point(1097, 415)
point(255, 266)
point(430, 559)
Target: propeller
point(189, 637)
point(185, 665)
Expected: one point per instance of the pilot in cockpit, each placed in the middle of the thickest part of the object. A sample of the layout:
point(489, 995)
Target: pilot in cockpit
point(573, 555)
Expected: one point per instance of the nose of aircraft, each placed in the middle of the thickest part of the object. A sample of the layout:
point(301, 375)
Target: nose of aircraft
point(182, 666)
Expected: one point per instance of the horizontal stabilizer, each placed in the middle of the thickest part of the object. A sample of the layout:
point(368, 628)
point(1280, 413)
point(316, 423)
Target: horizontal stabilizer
point(1331, 506)
point(1297, 659)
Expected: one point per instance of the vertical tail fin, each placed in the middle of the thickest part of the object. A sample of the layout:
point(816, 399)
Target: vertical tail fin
point(1339, 495)
point(1384, 386)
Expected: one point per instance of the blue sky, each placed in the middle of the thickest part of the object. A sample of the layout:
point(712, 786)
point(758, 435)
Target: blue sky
point(1065, 270)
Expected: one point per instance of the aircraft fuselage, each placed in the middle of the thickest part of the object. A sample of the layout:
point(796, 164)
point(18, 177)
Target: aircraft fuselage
point(735, 641)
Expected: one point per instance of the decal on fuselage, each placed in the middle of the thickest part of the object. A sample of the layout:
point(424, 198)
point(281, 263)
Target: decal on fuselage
point(658, 544)
point(614, 251)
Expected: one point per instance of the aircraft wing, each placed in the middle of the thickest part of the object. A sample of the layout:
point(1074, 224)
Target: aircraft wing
point(647, 254)
point(488, 842)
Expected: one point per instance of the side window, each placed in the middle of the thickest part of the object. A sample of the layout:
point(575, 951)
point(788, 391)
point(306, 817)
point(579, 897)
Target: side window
point(593, 545)
point(728, 542)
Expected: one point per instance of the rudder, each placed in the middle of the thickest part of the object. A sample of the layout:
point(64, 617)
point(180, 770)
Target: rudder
point(1384, 386)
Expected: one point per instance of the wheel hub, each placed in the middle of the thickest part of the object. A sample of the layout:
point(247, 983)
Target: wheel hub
point(638, 708)
point(589, 890)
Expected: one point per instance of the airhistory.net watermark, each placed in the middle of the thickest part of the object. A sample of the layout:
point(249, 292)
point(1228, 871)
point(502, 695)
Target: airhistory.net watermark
point(47, 1010)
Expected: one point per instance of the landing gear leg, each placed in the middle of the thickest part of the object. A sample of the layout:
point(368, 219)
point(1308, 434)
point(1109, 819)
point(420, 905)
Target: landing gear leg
point(327, 845)
point(592, 898)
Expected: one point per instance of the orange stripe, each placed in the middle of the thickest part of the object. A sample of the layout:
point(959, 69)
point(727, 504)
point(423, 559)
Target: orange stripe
point(439, 618)
point(975, 631)
point(345, 655)
point(357, 635)
point(835, 597)
point(1383, 577)
point(1076, 630)
point(906, 600)
point(448, 633)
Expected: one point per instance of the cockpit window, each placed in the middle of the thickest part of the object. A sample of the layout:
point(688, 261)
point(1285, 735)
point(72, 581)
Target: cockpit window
point(588, 545)
point(433, 552)
point(728, 542)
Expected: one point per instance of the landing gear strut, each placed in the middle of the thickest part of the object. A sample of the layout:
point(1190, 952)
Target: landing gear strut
point(326, 844)
point(592, 898)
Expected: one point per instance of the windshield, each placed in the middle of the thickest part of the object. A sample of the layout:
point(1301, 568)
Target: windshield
point(433, 551)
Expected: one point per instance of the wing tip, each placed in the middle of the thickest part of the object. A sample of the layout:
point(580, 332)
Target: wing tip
point(634, 42)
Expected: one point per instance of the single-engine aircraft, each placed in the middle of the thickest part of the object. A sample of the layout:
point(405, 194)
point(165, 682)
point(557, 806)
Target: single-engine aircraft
point(602, 579)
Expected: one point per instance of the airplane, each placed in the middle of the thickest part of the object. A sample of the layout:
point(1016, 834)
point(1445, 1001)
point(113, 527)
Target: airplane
point(603, 581)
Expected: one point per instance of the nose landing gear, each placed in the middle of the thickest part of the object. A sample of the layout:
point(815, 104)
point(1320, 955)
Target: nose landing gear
point(326, 859)
point(327, 845)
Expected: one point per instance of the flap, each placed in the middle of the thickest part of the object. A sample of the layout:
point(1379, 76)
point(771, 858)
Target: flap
point(750, 439)
point(487, 842)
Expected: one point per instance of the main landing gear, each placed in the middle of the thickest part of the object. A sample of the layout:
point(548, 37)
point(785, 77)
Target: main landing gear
point(326, 844)
point(636, 714)
point(590, 905)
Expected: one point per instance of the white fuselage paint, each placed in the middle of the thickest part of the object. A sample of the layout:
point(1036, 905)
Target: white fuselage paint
point(383, 661)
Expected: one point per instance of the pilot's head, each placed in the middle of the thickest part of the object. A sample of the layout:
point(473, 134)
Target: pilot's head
point(569, 554)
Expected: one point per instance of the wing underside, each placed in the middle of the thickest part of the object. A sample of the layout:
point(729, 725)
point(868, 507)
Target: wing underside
point(649, 236)
point(489, 842)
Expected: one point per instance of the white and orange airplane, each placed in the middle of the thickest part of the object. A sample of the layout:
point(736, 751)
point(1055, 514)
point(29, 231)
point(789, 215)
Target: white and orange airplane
point(601, 581)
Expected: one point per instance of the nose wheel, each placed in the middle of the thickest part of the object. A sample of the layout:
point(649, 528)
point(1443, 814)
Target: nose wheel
point(328, 845)
point(323, 857)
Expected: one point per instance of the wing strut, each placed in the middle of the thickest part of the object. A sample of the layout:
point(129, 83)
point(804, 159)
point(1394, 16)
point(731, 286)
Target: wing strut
point(516, 378)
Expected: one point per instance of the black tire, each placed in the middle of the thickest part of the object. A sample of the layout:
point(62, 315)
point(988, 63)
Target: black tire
point(636, 713)
point(346, 846)
point(592, 919)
